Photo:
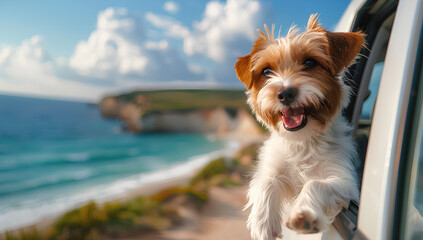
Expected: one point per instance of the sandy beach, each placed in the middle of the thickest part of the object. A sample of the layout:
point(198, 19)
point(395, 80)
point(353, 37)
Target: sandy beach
point(221, 218)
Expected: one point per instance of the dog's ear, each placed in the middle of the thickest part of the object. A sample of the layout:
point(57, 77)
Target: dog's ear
point(243, 70)
point(243, 67)
point(343, 47)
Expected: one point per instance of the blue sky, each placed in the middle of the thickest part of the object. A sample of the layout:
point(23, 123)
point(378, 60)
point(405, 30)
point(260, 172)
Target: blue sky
point(86, 49)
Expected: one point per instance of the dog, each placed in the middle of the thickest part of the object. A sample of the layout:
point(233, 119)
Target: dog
point(306, 169)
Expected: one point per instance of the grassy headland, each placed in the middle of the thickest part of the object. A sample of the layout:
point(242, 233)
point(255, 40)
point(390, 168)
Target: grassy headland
point(165, 100)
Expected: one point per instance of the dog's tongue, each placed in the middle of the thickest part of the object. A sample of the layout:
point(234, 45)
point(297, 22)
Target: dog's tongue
point(294, 121)
point(293, 117)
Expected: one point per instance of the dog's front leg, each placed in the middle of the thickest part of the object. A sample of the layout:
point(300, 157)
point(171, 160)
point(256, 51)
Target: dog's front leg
point(318, 204)
point(265, 199)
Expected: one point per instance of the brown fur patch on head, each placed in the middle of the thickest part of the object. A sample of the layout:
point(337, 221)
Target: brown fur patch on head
point(243, 70)
point(320, 90)
point(243, 67)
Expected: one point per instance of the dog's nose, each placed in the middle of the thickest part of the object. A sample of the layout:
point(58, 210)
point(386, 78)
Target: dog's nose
point(287, 95)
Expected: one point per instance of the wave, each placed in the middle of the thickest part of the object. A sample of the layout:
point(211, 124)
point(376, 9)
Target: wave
point(32, 211)
point(78, 157)
point(28, 161)
point(9, 187)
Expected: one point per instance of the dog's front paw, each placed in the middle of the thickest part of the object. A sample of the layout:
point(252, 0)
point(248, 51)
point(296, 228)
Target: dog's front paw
point(303, 220)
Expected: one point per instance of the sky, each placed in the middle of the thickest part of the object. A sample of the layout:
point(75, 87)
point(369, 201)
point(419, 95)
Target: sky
point(85, 50)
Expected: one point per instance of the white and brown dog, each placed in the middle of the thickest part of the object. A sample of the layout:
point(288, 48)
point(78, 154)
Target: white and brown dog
point(305, 174)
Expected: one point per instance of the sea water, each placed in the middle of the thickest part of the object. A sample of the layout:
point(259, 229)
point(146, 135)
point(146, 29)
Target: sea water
point(55, 155)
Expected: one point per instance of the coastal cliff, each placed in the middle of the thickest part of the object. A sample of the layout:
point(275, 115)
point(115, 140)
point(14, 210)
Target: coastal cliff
point(198, 111)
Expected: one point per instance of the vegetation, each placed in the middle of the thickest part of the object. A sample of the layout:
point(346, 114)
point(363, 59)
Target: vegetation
point(24, 234)
point(121, 219)
point(112, 219)
point(214, 168)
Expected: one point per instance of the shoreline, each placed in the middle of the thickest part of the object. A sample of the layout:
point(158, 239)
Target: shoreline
point(154, 182)
point(144, 190)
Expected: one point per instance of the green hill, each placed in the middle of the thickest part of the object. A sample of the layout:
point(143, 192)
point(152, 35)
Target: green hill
point(164, 100)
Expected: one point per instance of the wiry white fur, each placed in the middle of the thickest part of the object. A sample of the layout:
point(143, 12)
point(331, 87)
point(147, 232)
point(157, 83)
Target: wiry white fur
point(314, 176)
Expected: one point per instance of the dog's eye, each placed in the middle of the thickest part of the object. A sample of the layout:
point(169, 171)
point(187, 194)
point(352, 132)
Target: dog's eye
point(267, 72)
point(309, 64)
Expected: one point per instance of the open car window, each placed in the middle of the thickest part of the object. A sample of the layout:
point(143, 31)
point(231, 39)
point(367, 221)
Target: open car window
point(376, 22)
point(368, 89)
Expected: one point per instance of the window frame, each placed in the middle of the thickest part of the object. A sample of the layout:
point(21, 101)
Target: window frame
point(414, 115)
point(379, 188)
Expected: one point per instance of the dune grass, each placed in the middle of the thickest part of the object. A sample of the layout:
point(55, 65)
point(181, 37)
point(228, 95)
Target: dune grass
point(24, 234)
point(91, 221)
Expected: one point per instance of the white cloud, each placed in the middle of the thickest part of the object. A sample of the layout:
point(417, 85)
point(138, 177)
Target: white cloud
point(225, 32)
point(172, 27)
point(162, 45)
point(222, 27)
point(112, 49)
point(171, 7)
point(115, 56)
point(28, 69)
point(221, 34)
point(28, 60)
point(117, 49)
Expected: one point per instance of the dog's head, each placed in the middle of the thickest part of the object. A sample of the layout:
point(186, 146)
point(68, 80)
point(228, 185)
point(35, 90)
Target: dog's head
point(294, 83)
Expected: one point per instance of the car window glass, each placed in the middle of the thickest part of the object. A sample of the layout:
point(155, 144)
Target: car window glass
point(369, 88)
point(369, 103)
point(413, 228)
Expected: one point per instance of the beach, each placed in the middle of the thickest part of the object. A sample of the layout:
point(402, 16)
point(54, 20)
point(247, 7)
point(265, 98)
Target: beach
point(221, 218)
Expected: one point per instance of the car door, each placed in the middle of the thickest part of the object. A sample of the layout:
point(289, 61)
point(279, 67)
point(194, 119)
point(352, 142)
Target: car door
point(382, 98)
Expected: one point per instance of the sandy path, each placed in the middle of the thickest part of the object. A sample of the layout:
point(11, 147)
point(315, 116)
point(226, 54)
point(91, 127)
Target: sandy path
point(221, 218)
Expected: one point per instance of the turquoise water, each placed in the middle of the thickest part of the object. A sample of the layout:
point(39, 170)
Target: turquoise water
point(55, 155)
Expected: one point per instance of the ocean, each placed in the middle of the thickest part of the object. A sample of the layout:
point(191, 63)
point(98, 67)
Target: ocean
point(56, 155)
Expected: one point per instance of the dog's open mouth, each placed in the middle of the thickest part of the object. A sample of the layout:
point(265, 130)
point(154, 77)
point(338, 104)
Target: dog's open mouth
point(294, 118)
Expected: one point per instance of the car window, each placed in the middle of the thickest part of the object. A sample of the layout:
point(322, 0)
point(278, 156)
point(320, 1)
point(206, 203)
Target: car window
point(414, 225)
point(368, 90)
point(412, 199)
point(369, 103)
